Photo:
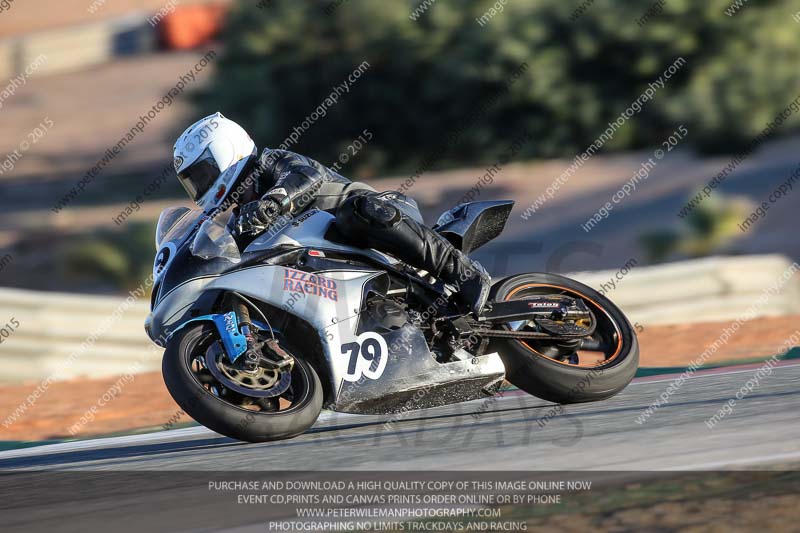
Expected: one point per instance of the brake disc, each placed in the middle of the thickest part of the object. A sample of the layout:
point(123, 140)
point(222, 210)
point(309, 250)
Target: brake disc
point(263, 383)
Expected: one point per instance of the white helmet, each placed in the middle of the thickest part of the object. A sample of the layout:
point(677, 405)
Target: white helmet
point(209, 156)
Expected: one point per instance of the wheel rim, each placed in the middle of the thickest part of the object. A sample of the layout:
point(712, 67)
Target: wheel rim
point(614, 339)
point(202, 352)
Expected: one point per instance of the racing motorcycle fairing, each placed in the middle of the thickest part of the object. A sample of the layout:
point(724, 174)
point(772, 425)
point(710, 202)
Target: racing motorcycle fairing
point(359, 331)
point(413, 379)
point(308, 231)
point(368, 371)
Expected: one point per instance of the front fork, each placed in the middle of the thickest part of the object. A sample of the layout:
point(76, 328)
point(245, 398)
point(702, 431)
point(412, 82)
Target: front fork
point(268, 354)
point(251, 355)
point(235, 330)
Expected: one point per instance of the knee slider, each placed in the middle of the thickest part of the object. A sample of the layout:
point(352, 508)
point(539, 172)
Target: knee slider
point(376, 211)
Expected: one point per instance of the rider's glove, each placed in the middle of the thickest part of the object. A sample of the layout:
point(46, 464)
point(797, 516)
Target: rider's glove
point(255, 217)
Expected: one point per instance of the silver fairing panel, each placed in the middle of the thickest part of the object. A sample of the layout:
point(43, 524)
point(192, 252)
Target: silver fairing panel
point(413, 379)
point(407, 375)
point(308, 230)
point(329, 302)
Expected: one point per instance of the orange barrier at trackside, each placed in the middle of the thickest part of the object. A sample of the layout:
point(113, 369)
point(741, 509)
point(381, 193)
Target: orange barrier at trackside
point(191, 26)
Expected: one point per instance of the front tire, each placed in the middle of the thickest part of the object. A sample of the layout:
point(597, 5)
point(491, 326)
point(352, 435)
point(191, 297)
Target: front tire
point(527, 366)
point(201, 403)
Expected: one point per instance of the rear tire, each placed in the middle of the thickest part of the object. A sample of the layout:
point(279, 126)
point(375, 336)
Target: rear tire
point(556, 381)
point(224, 417)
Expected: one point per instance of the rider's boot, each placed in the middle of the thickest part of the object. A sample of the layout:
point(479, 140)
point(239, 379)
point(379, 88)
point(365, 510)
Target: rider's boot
point(376, 222)
point(468, 276)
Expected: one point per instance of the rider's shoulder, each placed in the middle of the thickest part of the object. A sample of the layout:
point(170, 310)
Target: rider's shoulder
point(276, 154)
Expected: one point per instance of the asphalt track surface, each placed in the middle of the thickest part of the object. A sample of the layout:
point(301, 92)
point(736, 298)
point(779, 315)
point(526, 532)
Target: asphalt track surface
point(515, 432)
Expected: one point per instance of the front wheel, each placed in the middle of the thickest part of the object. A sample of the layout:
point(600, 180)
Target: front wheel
point(260, 407)
point(594, 368)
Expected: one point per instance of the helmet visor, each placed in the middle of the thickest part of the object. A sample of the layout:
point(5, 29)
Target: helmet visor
point(198, 178)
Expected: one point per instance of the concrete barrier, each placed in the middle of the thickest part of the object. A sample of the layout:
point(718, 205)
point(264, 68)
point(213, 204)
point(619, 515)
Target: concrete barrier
point(703, 290)
point(77, 47)
point(53, 327)
point(68, 335)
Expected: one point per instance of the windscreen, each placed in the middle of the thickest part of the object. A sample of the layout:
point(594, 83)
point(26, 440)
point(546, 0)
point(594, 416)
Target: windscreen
point(214, 240)
point(174, 222)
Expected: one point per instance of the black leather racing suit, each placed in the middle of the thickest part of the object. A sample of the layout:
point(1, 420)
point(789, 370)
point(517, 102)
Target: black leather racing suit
point(367, 218)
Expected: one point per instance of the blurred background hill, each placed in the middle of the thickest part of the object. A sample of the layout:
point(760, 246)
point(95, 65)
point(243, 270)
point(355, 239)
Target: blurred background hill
point(428, 76)
point(444, 93)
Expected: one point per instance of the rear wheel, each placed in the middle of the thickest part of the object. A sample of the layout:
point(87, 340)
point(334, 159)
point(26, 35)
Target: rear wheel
point(568, 371)
point(264, 406)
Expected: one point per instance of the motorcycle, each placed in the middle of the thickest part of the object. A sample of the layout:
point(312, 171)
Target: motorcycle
point(260, 336)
